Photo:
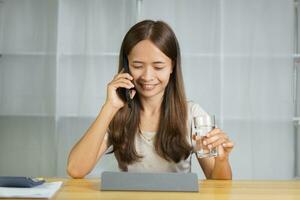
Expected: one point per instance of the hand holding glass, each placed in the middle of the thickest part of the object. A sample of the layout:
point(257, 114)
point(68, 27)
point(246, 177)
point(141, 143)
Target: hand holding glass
point(203, 124)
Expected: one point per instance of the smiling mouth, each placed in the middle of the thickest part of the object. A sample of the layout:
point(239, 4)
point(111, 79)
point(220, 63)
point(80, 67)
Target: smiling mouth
point(147, 86)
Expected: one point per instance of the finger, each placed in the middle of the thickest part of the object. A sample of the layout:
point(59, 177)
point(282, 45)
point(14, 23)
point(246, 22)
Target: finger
point(228, 144)
point(120, 72)
point(121, 85)
point(221, 152)
point(195, 137)
point(127, 82)
point(212, 139)
point(213, 132)
point(124, 75)
point(198, 137)
point(217, 132)
point(217, 143)
point(132, 93)
point(199, 144)
point(124, 80)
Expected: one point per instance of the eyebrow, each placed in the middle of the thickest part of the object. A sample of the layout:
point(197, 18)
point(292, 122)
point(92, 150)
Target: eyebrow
point(155, 62)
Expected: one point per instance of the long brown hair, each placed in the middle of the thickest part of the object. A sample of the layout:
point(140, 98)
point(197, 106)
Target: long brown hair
point(171, 138)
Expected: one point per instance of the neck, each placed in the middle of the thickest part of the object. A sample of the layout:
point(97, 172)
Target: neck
point(151, 106)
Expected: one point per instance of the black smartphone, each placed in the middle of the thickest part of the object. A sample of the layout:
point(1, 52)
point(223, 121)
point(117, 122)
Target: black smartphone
point(124, 93)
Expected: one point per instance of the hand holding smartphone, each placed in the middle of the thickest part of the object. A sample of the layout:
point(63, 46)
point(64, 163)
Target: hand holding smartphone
point(124, 93)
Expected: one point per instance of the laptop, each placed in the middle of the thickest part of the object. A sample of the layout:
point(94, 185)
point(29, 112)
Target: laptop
point(127, 181)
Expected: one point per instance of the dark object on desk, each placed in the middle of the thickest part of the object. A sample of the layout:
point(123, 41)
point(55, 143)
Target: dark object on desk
point(177, 182)
point(19, 181)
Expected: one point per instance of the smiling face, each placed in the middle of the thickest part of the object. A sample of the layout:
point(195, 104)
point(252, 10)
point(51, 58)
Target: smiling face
point(150, 68)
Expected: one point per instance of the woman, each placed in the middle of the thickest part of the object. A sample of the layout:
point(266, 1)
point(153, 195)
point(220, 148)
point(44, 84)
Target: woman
point(152, 131)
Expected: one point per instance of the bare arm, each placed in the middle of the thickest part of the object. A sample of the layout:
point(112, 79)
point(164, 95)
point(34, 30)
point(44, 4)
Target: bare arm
point(89, 149)
point(91, 146)
point(221, 170)
point(218, 167)
point(214, 168)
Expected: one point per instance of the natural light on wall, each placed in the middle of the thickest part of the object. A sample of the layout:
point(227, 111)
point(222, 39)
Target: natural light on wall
point(239, 63)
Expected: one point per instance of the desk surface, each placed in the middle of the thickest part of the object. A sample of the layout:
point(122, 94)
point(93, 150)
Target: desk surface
point(209, 189)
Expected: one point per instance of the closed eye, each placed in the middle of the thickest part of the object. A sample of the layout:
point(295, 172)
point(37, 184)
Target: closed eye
point(159, 68)
point(137, 66)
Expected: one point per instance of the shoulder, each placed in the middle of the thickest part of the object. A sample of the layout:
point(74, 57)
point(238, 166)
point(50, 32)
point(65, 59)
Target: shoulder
point(195, 109)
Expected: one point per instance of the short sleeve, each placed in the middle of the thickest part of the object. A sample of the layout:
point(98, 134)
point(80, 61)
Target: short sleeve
point(196, 110)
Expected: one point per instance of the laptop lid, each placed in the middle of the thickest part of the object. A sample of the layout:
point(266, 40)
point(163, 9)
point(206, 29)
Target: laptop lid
point(178, 182)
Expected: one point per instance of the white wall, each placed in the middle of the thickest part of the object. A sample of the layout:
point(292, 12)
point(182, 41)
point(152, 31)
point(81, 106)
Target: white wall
point(59, 55)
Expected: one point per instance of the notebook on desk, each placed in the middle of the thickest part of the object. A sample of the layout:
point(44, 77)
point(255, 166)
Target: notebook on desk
point(177, 182)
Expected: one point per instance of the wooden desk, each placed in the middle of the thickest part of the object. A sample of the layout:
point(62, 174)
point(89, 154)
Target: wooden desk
point(209, 189)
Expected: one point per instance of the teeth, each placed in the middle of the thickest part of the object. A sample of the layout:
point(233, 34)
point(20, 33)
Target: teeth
point(148, 86)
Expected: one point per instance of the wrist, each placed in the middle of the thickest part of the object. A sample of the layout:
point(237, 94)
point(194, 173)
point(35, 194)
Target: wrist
point(107, 106)
point(223, 159)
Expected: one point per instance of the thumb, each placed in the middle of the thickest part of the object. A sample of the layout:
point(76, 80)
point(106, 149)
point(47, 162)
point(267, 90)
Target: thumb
point(132, 93)
point(220, 150)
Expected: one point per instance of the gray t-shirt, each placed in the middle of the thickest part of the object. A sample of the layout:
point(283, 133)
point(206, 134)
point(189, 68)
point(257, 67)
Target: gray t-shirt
point(151, 161)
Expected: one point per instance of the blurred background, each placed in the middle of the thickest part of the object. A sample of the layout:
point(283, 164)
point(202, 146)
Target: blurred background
point(240, 62)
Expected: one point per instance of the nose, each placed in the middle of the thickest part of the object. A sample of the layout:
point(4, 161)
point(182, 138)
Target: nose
point(147, 74)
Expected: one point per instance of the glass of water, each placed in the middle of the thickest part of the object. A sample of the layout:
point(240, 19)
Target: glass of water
point(202, 125)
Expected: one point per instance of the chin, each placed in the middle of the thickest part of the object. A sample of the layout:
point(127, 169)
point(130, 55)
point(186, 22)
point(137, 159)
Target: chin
point(149, 94)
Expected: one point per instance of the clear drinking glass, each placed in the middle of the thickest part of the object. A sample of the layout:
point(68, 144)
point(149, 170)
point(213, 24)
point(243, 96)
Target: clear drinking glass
point(204, 124)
